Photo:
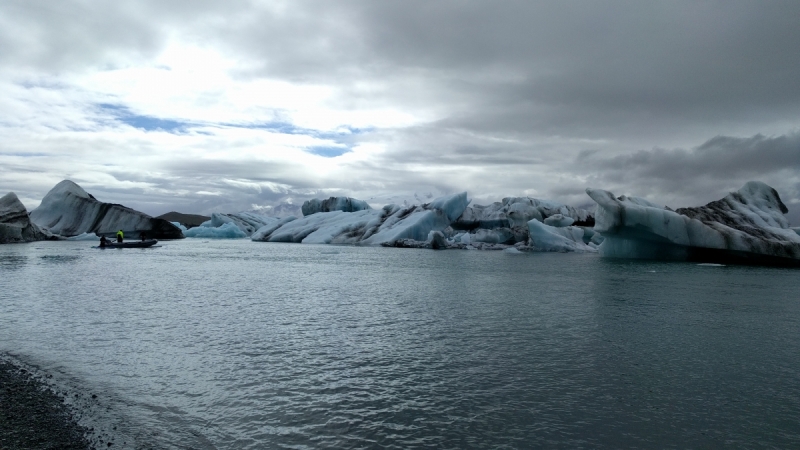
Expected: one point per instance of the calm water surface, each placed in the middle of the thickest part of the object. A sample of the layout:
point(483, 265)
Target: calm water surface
point(236, 344)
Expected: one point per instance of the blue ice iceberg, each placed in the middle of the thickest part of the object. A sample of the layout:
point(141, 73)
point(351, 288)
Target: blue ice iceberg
point(384, 226)
point(68, 210)
point(15, 223)
point(748, 226)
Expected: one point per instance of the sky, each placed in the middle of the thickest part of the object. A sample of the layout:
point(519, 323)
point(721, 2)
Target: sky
point(202, 106)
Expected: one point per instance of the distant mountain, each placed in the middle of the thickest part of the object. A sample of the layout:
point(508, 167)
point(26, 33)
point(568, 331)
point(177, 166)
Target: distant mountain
point(187, 220)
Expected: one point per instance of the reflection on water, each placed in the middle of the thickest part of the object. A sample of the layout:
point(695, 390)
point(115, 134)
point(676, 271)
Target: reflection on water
point(12, 261)
point(235, 344)
point(57, 259)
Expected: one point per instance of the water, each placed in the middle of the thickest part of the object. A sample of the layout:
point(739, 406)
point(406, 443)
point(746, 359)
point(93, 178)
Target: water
point(236, 344)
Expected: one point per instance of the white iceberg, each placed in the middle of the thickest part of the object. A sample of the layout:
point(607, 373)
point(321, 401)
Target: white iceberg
point(747, 226)
point(385, 226)
point(15, 222)
point(68, 210)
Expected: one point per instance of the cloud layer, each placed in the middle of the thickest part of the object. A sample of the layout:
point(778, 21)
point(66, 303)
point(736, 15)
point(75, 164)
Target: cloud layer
point(204, 106)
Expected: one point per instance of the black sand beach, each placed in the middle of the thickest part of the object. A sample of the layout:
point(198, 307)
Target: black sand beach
point(33, 417)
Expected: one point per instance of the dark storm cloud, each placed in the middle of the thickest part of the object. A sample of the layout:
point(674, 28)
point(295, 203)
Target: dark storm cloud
point(720, 158)
point(607, 68)
point(701, 174)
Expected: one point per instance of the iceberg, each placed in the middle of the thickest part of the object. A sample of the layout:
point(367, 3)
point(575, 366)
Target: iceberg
point(547, 238)
point(345, 204)
point(384, 226)
point(15, 222)
point(748, 226)
point(446, 222)
point(229, 226)
point(225, 231)
point(506, 222)
point(68, 210)
point(559, 220)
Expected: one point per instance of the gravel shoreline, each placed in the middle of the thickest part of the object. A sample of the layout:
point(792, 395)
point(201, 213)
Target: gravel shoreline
point(33, 417)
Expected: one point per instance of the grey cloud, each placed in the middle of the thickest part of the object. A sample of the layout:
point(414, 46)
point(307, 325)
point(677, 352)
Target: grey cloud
point(703, 173)
point(722, 157)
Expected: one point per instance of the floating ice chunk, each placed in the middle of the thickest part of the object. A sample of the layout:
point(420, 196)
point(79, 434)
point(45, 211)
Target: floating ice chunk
point(225, 231)
point(747, 226)
point(557, 239)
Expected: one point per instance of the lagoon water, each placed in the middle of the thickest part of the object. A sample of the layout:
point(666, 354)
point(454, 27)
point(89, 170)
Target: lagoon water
point(235, 344)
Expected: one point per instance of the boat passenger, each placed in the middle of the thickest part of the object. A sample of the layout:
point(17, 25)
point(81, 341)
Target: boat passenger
point(103, 241)
point(119, 236)
point(144, 236)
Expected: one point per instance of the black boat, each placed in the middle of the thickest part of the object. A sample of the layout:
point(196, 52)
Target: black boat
point(131, 244)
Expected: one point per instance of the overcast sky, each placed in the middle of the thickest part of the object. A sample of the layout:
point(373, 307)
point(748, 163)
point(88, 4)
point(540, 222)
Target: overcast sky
point(201, 106)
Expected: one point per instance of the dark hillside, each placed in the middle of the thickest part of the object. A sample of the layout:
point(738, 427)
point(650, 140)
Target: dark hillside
point(187, 220)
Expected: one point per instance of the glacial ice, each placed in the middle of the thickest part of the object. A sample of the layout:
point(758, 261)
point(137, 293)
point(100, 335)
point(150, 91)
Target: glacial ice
point(15, 222)
point(229, 226)
point(225, 231)
point(68, 210)
point(559, 220)
point(506, 223)
point(747, 226)
point(548, 238)
point(383, 226)
point(345, 204)
point(516, 212)
point(446, 222)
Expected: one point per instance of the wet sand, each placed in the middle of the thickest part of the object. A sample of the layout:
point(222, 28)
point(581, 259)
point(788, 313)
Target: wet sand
point(33, 417)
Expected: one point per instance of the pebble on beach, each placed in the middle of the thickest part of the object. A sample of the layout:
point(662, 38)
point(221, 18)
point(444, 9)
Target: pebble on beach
point(33, 417)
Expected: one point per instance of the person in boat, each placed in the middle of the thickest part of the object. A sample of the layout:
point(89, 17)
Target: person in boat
point(119, 236)
point(103, 241)
point(144, 236)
